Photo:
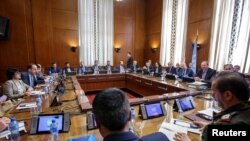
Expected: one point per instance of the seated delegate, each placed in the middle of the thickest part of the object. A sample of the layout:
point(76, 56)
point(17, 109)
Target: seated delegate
point(14, 87)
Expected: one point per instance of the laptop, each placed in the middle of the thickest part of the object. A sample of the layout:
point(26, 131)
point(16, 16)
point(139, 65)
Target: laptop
point(188, 79)
point(170, 76)
point(41, 124)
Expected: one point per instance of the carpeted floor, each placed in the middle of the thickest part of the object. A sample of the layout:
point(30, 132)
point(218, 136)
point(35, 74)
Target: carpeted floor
point(92, 96)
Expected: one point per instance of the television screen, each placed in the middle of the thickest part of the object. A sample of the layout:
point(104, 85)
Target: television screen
point(4, 28)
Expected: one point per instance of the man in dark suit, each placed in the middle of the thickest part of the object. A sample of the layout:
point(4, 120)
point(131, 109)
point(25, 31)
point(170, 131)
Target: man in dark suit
point(185, 71)
point(171, 69)
point(54, 68)
point(114, 124)
point(96, 68)
point(134, 67)
point(81, 69)
point(108, 67)
point(130, 60)
point(67, 69)
point(29, 77)
point(121, 68)
point(205, 74)
point(158, 68)
point(148, 68)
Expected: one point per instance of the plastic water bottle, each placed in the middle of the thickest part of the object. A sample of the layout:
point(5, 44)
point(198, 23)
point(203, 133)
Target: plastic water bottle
point(14, 130)
point(54, 130)
point(39, 104)
point(46, 89)
point(132, 119)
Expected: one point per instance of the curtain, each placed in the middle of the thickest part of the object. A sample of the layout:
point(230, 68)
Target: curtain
point(96, 31)
point(230, 35)
point(174, 29)
point(242, 51)
point(220, 34)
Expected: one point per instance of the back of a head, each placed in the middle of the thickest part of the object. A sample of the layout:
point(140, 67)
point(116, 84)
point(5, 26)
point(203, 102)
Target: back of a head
point(111, 109)
point(233, 82)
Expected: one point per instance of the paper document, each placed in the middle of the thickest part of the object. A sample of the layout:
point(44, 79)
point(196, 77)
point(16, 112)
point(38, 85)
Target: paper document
point(37, 93)
point(196, 83)
point(26, 105)
point(170, 130)
point(209, 111)
point(185, 124)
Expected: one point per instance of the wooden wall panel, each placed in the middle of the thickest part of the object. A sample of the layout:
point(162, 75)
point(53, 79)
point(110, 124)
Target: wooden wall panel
point(153, 29)
point(140, 32)
point(129, 29)
point(55, 31)
point(200, 17)
point(18, 50)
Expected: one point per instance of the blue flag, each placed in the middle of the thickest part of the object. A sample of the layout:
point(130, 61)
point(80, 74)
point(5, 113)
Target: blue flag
point(194, 55)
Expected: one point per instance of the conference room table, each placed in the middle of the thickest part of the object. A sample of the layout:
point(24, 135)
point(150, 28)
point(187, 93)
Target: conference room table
point(72, 103)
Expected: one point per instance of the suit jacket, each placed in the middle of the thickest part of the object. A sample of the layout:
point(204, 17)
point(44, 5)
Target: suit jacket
point(65, 70)
point(119, 69)
point(10, 89)
point(26, 77)
point(130, 62)
point(99, 68)
point(53, 70)
point(210, 73)
point(171, 70)
point(159, 70)
point(129, 136)
point(107, 67)
point(81, 70)
point(132, 68)
point(189, 72)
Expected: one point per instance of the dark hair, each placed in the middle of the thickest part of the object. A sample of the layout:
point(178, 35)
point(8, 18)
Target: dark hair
point(233, 82)
point(30, 66)
point(53, 63)
point(158, 63)
point(66, 63)
point(111, 109)
point(11, 72)
point(38, 65)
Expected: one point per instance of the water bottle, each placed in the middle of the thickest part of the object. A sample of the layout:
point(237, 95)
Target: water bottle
point(132, 119)
point(46, 89)
point(14, 130)
point(39, 104)
point(54, 130)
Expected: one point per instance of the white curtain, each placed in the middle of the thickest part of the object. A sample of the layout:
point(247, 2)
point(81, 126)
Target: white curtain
point(95, 31)
point(221, 35)
point(181, 30)
point(242, 51)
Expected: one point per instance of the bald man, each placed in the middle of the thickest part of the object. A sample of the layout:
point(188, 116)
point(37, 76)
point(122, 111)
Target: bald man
point(205, 74)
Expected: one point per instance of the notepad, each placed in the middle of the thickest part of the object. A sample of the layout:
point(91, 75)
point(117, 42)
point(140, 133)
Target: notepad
point(26, 105)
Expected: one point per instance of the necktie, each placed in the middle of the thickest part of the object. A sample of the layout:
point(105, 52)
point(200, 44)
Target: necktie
point(31, 80)
point(204, 75)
